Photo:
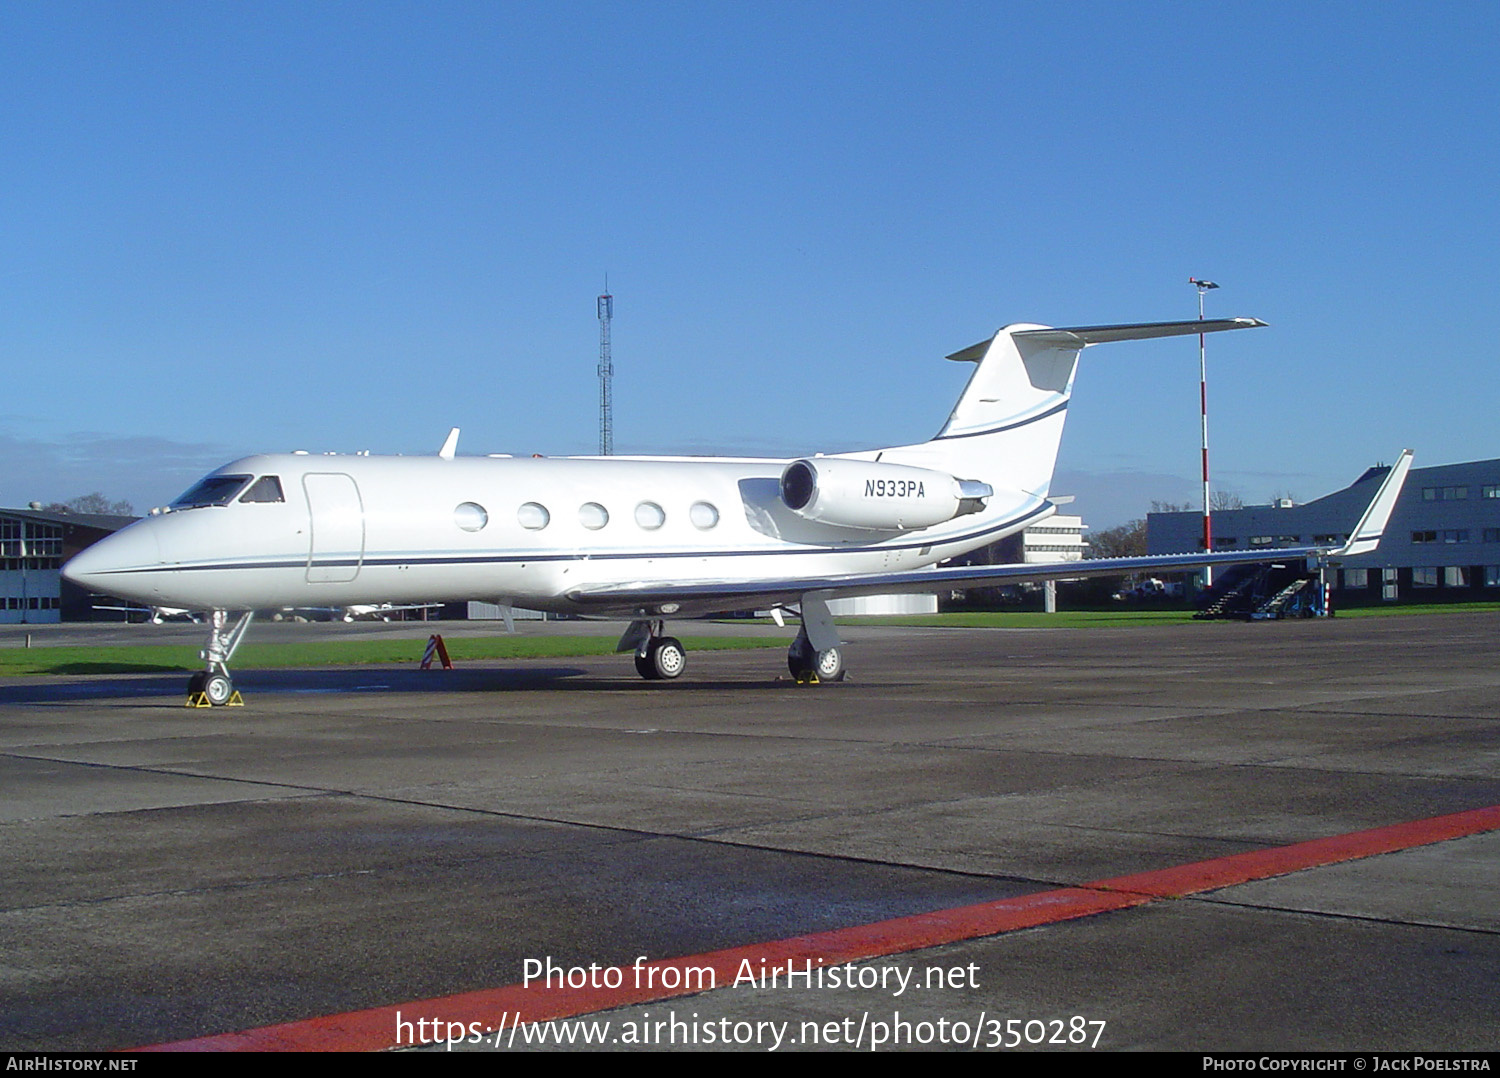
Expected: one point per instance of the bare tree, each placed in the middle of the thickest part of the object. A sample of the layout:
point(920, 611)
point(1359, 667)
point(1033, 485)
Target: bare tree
point(95, 503)
point(1125, 541)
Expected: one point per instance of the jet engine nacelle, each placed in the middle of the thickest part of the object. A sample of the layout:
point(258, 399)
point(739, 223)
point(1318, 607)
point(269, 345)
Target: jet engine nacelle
point(877, 497)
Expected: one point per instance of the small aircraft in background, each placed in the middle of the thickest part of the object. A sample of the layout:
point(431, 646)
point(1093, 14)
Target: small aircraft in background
point(382, 611)
point(353, 613)
point(156, 615)
point(642, 539)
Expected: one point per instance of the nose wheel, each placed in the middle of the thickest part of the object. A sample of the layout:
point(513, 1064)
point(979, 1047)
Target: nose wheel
point(219, 689)
point(213, 688)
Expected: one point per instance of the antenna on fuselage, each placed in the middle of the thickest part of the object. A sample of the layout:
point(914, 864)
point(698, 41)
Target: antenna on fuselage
point(450, 446)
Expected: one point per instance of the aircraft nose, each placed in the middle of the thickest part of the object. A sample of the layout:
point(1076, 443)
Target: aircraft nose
point(118, 564)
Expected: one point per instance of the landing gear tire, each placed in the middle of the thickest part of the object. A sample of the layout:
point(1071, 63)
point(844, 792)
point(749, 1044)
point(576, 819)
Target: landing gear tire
point(195, 683)
point(806, 664)
point(664, 660)
point(830, 665)
point(218, 689)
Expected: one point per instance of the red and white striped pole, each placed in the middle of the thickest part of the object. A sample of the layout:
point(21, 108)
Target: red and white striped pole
point(1208, 529)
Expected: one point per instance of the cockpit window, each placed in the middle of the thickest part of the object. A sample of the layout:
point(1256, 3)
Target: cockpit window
point(213, 490)
point(265, 489)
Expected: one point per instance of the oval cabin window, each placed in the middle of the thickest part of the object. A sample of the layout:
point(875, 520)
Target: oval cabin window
point(650, 516)
point(533, 516)
point(470, 516)
point(592, 515)
point(703, 515)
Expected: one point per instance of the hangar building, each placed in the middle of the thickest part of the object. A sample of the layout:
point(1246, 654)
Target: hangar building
point(1442, 543)
point(33, 546)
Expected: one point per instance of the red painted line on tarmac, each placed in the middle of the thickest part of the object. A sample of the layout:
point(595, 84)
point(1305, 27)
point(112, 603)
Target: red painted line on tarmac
point(376, 1028)
point(1280, 860)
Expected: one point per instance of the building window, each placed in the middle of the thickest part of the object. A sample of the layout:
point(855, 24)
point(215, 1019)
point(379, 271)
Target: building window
point(19, 565)
point(1262, 540)
point(1424, 577)
point(1491, 491)
point(1456, 576)
point(1445, 494)
point(1492, 576)
point(1492, 535)
point(1445, 535)
point(1356, 578)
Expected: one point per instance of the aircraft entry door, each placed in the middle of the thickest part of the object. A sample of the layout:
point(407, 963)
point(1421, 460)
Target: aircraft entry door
point(337, 527)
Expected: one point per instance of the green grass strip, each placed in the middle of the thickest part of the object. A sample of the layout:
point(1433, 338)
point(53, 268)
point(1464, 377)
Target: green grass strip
point(157, 658)
point(1414, 608)
point(153, 658)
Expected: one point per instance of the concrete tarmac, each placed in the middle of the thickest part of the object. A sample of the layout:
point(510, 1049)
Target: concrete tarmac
point(366, 837)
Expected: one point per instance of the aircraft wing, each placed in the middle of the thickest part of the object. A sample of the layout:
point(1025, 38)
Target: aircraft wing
point(719, 596)
point(715, 596)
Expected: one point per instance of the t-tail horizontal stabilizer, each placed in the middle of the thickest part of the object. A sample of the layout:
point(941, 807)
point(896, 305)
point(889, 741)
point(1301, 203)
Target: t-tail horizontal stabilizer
point(1082, 336)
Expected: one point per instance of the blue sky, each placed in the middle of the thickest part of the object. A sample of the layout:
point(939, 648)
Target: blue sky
point(247, 227)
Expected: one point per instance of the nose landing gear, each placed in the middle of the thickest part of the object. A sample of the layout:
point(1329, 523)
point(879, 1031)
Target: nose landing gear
point(213, 687)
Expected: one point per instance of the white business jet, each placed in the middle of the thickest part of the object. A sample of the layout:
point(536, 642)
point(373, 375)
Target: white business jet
point(646, 538)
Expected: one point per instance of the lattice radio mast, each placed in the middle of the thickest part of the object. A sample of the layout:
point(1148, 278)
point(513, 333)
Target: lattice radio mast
point(606, 375)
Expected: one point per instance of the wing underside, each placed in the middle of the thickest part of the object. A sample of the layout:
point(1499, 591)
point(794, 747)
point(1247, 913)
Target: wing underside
point(721, 596)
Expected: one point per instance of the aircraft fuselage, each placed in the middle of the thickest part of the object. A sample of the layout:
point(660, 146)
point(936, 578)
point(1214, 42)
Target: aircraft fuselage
point(522, 531)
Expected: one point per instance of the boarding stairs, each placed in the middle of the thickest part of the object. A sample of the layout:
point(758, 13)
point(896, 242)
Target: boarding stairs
point(1232, 594)
point(1285, 602)
point(1264, 593)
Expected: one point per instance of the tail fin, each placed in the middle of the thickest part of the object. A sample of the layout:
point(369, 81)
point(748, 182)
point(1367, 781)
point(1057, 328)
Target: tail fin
point(1015, 381)
point(1007, 425)
point(1013, 408)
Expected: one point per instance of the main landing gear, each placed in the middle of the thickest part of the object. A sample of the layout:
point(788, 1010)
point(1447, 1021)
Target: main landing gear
point(657, 657)
point(813, 657)
point(809, 665)
point(665, 659)
point(213, 687)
